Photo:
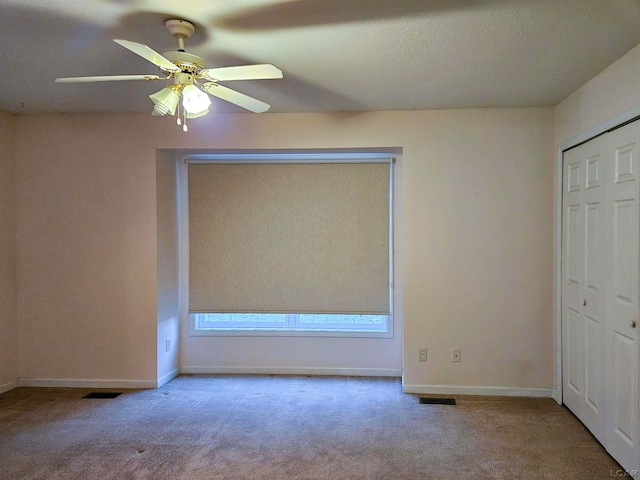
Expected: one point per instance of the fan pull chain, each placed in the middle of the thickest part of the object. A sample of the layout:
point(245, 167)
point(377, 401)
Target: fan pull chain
point(184, 125)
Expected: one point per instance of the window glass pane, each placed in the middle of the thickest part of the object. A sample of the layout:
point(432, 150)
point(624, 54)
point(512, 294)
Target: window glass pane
point(346, 320)
point(208, 321)
point(291, 322)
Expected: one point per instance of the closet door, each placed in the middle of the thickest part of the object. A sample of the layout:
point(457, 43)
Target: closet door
point(622, 301)
point(584, 275)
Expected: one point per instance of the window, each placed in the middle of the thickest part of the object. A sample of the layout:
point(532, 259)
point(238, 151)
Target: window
point(293, 233)
point(291, 322)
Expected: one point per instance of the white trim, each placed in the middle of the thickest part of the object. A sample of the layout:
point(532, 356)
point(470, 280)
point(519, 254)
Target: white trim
point(168, 377)
point(256, 158)
point(578, 139)
point(390, 319)
point(315, 371)
point(9, 386)
point(557, 278)
point(85, 383)
point(478, 390)
point(557, 395)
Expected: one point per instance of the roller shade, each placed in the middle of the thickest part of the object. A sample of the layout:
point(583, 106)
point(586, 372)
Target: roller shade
point(289, 237)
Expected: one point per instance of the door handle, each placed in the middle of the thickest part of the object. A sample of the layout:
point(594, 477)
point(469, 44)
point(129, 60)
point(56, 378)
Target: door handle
point(632, 324)
point(584, 302)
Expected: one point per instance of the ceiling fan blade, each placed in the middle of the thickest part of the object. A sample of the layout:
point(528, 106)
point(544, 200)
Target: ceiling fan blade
point(107, 78)
point(246, 72)
point(237, 98)
point(148, 54)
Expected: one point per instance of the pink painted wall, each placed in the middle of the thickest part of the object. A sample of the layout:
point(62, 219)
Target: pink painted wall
point(168, 282)
point(86, 249)
point(475, 250)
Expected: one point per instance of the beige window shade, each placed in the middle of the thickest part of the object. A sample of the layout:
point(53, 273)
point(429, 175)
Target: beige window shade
point(289, 237)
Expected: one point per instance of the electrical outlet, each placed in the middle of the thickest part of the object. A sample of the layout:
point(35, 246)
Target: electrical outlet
point(422, 354)
point(167, 345)
point(455, 355)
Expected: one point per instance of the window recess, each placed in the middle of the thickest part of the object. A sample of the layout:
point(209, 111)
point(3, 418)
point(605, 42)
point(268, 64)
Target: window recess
point(290, 244)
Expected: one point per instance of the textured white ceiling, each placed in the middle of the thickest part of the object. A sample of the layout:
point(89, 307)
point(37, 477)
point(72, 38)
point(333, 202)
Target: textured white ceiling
point(336, 55)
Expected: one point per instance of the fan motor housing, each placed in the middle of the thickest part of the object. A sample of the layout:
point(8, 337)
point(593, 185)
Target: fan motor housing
point(186, 61)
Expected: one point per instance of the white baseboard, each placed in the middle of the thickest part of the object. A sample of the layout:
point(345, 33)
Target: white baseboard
point(84, 383)
point(316, 371)
point(8, 386)
point(168, 377)
point(477, 390)
point(351, 372)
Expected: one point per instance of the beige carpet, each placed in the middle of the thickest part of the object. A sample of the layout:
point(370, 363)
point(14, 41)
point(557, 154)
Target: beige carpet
point(263, 427)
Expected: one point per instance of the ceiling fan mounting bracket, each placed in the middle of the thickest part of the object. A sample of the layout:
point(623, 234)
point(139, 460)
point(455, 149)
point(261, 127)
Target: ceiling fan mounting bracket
point(180, 28)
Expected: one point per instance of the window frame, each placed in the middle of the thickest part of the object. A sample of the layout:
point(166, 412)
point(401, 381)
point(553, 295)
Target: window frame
point(292, 328)
point(302, 157)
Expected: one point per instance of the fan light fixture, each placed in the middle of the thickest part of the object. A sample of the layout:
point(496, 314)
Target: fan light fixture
point(165, 101)
point(195, 102)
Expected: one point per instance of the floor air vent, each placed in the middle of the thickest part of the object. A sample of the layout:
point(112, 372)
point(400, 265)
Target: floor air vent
point(437, 401)
point(102, 395)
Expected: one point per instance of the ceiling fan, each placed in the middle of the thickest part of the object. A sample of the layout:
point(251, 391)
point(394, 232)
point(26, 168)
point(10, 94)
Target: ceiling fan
point(191, 80)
